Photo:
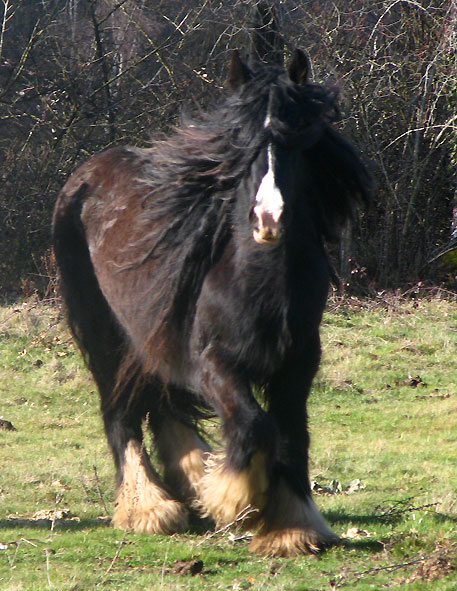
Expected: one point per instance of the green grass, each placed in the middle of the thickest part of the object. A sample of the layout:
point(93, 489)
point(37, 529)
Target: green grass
point(367, 420)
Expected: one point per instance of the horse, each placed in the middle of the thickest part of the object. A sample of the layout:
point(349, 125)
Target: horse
point(194, 273)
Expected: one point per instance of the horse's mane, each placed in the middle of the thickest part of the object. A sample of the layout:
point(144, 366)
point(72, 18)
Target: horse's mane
point(190, 178)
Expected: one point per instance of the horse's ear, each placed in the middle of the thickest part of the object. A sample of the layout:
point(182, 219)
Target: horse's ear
point(239, 73)
point(299, 67)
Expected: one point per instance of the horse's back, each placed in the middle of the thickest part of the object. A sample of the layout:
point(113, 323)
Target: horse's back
point(101, 204)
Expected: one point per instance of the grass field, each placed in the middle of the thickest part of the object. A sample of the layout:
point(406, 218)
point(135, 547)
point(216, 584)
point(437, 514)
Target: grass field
point(383, 417)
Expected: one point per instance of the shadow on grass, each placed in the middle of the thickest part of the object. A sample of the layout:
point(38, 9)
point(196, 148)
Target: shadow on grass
point(196, 526)
point(392, 518)
point(442, 517)
point(335, 517)
point(363, 545)
point(59, 524)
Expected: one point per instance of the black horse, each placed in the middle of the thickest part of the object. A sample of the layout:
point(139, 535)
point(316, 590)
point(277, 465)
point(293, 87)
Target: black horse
point(195, 276)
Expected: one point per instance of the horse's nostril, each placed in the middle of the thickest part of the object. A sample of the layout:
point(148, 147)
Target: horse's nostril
point(265, 231)
point(266, 227)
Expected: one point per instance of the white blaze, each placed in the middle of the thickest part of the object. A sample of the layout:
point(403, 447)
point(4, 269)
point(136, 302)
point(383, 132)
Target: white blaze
point(268, 198)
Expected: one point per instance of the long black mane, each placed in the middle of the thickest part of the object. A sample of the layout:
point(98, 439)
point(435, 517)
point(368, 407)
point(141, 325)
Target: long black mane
point(190, 180)
point(192, 173)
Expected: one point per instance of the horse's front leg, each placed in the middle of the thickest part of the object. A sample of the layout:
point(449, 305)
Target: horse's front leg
point(236, 482)
point(291, 523)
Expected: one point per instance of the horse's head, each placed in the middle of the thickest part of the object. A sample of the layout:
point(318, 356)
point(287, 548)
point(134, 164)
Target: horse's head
point(293, 172)
point(278, 161)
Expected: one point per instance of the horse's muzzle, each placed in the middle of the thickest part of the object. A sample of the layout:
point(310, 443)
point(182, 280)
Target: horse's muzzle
point(267, 228)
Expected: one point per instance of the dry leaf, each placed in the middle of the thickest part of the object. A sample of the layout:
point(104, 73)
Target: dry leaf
point(354, 533)
point(354, 486)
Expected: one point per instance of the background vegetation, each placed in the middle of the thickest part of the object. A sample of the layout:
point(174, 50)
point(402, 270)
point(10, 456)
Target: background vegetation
point(77, 76)
point(383, 418)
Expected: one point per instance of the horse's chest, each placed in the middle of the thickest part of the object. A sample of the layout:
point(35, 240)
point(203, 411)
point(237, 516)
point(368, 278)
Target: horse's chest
point(263, 314)
point(248, 322)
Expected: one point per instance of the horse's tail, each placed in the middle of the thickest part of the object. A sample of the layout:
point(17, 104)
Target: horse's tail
point(89, 316)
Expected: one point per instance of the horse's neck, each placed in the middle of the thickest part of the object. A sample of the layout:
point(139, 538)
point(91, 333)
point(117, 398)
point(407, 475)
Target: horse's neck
point(261, 271)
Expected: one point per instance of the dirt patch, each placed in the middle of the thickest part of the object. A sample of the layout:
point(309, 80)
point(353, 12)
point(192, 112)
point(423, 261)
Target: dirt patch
point(441, 563)
point(187, 567)
point(7, 425)
point(434, 568)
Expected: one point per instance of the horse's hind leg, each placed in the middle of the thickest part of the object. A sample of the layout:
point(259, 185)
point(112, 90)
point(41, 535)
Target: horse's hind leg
point(182, 451)
point(142, 502)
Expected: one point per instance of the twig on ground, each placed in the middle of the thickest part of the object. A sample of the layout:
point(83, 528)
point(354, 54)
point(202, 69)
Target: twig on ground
point(400, 508)
point(342, 579)
point(162, 576)
point(242, 515)
point(99, 489)
point(121, 544)
point(48, 552)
